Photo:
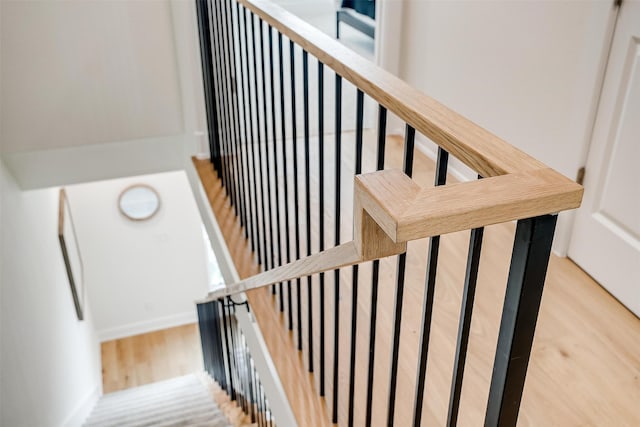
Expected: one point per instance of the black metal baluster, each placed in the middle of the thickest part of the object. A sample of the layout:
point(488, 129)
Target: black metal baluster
point(216, 85)
point(355, 268)
point(224, 88)
point(244, 146)
point(466, 311)
point(253, 183)
point(275, 162)
point(237, 81)
point(237, 146)
point(222, 339)
point(213, 316)
point(409, 143)
point(427, 304)
point(375, 273)
point(268, 260)
point(262, 258)
point(229, 356)
point(321, 217)
point(296, 201)
point(529, 262)
point(307, 181)
point(285, 174)
point(204, 34)
point(219, 87)
point(235, 122)
point(232, 334)
point(336, 273)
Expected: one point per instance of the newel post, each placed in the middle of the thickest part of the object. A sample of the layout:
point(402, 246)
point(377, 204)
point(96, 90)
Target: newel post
point(529, 262)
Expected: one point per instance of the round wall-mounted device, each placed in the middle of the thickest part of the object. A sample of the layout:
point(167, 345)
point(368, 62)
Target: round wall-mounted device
point(139, 202)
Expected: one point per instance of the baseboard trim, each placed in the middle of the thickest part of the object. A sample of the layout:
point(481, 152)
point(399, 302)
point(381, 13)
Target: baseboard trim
point(147, 326)
point(81, 412)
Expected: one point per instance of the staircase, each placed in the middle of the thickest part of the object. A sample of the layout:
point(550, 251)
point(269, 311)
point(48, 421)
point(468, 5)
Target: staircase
point(336, 224)
point(181, 401)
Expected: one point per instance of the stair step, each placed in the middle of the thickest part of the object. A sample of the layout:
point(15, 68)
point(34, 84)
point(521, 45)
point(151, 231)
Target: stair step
point(182, 401)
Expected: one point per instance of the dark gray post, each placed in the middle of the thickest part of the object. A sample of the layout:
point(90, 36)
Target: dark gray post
point(529, 261)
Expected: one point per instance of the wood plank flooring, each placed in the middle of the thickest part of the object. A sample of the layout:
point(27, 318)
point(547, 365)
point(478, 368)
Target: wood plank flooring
point(585, 365)
point(147, 358)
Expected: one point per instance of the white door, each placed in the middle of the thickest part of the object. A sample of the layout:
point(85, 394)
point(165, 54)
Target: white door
point(606, 235)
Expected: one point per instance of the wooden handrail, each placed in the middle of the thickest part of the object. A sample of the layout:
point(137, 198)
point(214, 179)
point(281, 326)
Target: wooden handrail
point(390, 209)
point(479, 149)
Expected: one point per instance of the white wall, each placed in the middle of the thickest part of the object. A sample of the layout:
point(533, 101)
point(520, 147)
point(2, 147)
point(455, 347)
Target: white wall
point(528, 71)
point(78, 72)
point(98, 90)
point(50, 361)
point(140, 275)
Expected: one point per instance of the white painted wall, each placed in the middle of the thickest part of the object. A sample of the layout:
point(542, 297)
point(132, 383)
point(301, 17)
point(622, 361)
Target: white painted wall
point(143, 275)
point(98, 90)
point(77, 72)
point(50, 361)
point(528, 71)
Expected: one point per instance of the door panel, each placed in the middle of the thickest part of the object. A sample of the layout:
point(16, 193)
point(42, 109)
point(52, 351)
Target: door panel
point(606, 236)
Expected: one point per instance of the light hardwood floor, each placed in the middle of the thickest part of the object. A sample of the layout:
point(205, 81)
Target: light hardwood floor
point(584, 370)
point(147, 358)
point(585, 365)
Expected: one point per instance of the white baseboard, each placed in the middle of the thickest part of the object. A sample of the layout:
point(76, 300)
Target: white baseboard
point(81, 412)
point(148, 326)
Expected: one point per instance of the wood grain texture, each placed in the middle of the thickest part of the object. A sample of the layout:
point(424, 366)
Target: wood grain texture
point(147, 358)
point(476, 147)
point(585, 362)
point(406, 214)
point(309, 409)
point(390, 210)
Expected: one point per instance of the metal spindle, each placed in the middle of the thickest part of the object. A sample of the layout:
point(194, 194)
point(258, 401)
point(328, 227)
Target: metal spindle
point(529, 263)
point(307, 181)
point(232, 334)
point(244, 82)
point(235, 121)
point(321, 217)
point(224, 89)
point(240, 174)
point(375, 273)
point(268, 264)
point(285, 174)
point(204, 34)
point(296, 200)
point(228, 356)
point(409, 143)
point(257, 152)
point(466, 311)
point(219, 85)
point(354, 286)
point(275, 162)
point(248, 122)
point(427, 304)
point(336, 273)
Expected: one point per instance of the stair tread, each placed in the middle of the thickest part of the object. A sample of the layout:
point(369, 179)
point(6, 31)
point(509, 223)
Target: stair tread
point(182, 401)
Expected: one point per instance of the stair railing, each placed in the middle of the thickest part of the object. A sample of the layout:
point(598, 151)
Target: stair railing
point(261, 156)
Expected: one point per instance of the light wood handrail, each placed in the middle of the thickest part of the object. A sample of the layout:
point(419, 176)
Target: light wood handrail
point(390, 209)
point(479, 149)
